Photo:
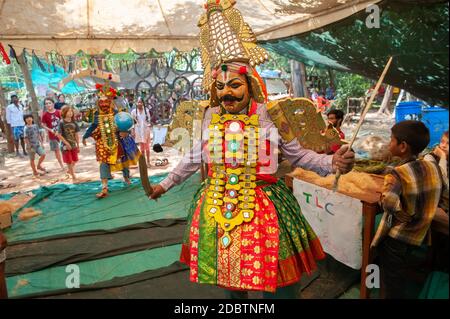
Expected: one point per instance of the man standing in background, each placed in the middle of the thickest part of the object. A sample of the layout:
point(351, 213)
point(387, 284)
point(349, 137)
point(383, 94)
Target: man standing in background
point(335, 118)
point(14, 118)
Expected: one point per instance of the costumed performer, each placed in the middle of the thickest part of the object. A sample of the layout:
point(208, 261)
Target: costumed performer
point(245, 228)
point(115, 149)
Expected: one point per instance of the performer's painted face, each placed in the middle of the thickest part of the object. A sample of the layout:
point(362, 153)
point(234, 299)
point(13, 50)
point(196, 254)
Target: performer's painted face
point(104, 104)
point(233, 93)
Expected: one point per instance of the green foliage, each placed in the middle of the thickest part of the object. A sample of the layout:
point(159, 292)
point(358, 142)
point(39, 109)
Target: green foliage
point(12, 73)
point(277, 62)
point(350, 86)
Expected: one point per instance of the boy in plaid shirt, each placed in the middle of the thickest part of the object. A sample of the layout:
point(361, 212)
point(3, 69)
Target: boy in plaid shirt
point(411, 195)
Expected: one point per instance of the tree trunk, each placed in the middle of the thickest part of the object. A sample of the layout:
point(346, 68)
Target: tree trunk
point(384, 109)
point(5, 126)
point(30, 89)
point(298, 72)
point(331, 75)
point(303, 73)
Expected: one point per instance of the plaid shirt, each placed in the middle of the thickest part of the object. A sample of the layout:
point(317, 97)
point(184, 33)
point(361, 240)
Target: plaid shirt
point(410, 198)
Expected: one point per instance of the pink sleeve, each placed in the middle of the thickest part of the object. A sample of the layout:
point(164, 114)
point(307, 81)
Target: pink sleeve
point(192, 161)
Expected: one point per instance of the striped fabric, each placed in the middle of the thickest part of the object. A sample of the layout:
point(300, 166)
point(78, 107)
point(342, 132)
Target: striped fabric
point(411, 195)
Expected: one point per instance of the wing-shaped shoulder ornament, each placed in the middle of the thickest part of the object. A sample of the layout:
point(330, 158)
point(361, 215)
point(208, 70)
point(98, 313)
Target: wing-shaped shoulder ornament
point(298, 118)
point(189, 116)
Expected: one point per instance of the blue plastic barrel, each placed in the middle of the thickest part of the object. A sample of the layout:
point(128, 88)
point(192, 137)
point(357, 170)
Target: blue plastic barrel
point(436, 119)
point(408, 111)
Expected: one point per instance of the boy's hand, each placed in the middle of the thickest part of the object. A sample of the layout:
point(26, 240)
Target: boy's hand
point(158, 191)
point(84, 142)
point(343, 160)
point(439, 152)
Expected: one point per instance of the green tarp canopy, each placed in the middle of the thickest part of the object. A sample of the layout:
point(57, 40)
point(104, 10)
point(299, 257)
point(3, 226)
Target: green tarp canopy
point(414, 32)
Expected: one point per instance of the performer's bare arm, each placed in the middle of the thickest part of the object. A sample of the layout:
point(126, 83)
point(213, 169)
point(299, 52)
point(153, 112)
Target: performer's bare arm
point(90, 129)
point(190, 164)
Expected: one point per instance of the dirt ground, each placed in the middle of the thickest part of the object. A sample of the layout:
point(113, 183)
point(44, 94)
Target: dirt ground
point(16, 174)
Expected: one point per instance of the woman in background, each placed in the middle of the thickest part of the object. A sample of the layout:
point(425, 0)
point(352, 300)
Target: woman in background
point(142, 127)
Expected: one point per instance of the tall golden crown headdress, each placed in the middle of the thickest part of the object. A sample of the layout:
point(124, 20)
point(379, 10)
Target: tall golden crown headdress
point(105, 90)
point(226, 38)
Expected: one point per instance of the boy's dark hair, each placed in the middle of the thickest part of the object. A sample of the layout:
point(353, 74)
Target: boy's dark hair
point(413, 133)
point(27, 116)
point(338, 113)
point(49, 99)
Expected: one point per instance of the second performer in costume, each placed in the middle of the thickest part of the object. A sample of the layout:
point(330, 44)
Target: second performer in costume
point(115, 150)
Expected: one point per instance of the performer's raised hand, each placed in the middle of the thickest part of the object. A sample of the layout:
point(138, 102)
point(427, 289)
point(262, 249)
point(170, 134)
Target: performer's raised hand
point(343, 160)
point(158, 191)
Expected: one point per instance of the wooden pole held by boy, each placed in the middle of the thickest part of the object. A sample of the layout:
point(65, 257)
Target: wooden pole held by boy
point(363, 116)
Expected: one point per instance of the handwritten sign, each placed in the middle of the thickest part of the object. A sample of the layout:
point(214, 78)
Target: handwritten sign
point(335, 218)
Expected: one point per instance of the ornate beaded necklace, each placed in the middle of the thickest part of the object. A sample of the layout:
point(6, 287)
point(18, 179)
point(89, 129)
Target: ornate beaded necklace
point(107, 129)
point(233, 147)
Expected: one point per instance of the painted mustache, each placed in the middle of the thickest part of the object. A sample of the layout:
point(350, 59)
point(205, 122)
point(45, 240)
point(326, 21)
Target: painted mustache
point(230, 98)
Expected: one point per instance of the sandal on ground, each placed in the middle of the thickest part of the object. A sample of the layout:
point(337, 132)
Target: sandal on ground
point(103, 193)
point(42, 169)
point(161, 163)
point(5, 186)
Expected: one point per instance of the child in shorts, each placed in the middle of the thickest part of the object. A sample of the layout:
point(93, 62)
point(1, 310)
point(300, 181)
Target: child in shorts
point(34, 142)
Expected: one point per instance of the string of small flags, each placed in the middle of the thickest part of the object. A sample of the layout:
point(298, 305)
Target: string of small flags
point(53, 60)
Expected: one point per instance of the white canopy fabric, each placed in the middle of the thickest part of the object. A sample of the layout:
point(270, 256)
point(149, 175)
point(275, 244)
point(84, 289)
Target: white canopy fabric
point(93, 26)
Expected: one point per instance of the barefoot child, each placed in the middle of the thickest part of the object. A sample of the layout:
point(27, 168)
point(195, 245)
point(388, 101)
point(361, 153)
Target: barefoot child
point(68, 134)
point(34, 141)
point(410, 197)
point(50, 121)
